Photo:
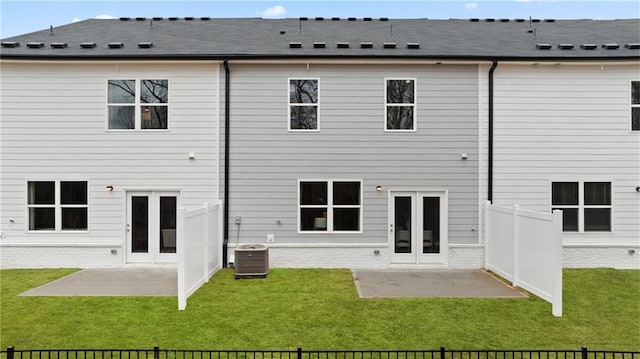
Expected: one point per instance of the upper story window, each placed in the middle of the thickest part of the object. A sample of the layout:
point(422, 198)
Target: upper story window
point(303, 104)
point(586, 206)
point(635, 105)
point(57, 205)
point(138, 104)
point(330, 206)
point(400, 105)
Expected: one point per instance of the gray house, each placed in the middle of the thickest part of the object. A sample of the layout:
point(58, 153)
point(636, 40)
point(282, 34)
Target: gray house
point(363, 143)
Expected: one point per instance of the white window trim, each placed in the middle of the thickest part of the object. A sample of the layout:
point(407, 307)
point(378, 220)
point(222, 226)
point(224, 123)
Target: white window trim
point(330, 206)
point(581, 206)
point(57, 207)
point(137, 105)
point(414, 104)
point(631, 107)
point(289, 105)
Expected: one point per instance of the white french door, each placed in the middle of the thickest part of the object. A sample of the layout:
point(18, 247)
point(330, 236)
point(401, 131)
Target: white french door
point(151, 227)
point(418, 227)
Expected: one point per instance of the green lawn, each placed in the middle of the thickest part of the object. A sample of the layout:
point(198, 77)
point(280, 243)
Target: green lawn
point(320, 309)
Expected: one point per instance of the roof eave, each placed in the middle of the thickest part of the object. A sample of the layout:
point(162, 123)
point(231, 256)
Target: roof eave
point(221, 57)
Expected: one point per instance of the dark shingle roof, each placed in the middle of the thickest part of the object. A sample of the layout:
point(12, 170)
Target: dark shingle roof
point(269, 38)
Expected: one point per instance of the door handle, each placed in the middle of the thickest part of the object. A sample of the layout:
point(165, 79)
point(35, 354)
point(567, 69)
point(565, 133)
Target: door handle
point(391, 228)
point(128, 227)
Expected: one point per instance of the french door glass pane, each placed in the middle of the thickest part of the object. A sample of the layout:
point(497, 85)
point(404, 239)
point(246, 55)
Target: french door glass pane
point(402, 220)
point(431, 225)
point(42, 219)
point(597, 193)
point(168, 224)
point(597, 219)
point(140, 224)
point(564, 193)
point(74, 219)
point(313, 219)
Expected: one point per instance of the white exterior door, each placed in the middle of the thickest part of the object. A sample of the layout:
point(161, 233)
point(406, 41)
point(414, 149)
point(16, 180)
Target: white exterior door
point(418, 227)
point(151, 227)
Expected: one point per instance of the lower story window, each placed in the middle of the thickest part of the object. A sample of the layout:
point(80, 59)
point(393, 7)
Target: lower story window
point(586, 206)
point(57, 205)
point(330, 206)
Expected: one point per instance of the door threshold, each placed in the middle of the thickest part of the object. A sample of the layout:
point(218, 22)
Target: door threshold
point(151, 265)
point(418, 266)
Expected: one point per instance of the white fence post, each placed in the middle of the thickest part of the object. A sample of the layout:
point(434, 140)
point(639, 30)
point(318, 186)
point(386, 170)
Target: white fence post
point(487, 240)
point(205, 239)
point(516, 246)
point(181, 248)
point(220, 229)
point(556, 305)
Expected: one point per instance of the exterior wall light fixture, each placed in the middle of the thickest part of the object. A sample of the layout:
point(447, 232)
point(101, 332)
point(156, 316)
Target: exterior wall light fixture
point(379, 188)
point(109, 188)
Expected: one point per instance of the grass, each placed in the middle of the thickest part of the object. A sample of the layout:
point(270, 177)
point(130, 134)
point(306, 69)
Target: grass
point(320, 309)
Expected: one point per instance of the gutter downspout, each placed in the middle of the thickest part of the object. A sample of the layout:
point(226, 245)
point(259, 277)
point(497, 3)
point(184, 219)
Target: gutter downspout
point(227, 101)
point(490, 164)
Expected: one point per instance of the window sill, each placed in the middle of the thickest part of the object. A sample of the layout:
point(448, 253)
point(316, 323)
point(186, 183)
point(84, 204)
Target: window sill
point(58, 232)
point(133, 130)
point(400, 131)
point(589, 233)
point(315, 233)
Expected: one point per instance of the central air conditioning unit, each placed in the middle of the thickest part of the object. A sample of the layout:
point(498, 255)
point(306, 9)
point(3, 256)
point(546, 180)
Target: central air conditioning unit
point(251, 260)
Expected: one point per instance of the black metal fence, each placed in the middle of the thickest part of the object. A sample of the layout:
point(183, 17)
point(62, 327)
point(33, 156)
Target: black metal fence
point(299, 353)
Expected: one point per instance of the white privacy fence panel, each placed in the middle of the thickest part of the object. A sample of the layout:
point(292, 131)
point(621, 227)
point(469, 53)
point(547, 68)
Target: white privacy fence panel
point(499, 224)
point(525, 247)
point(198, 248)
point(214, 245)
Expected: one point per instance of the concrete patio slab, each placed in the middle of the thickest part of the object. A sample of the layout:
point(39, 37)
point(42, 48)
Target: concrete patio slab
point(437, 283)
point(112, 282)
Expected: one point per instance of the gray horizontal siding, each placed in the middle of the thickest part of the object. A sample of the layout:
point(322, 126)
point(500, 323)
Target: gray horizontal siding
point(266, 160)
point(54, 128)
point(568, 123)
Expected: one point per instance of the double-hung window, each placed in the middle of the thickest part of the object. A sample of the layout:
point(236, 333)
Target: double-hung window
point(586, 206)
point(635, 105)
point(303, 104)
point(330, 206)
point(400, 105)
point(57, 205)
point(138, 104)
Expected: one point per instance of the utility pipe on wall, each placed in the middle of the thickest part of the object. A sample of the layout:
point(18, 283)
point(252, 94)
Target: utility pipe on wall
point(490, 144)
point(227, 101)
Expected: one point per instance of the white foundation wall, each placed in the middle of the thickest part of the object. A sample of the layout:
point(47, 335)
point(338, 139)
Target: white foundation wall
point(371, 256)
point(71, 256)
point(53, 127)
point(619, 257)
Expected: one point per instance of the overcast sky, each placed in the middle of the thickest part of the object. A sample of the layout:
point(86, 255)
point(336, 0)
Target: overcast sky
point(20, 17)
